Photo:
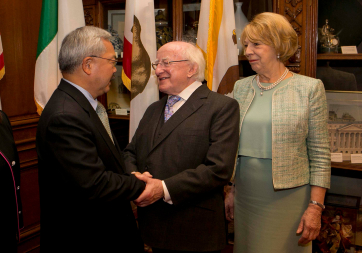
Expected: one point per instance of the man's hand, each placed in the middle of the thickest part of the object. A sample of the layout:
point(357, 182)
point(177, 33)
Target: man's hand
point(310, 224)
point(152, 192)
point(147, 174)
point(229, 202)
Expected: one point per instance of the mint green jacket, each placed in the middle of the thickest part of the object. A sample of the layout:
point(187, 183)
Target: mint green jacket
point(300, 144)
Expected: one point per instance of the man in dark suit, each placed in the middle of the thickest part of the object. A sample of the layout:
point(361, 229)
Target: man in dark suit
point(187, 141)
point(85, 193)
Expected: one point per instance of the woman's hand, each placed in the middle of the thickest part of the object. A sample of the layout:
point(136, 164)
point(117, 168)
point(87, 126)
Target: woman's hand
point(229, 202)
point(310, 224)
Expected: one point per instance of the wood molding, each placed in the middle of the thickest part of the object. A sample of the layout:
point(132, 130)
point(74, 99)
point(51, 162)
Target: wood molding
point(112, 1)
point(177, 19)
point(311, 38)
point(89, 2)
point(339, 57)
point(100, 15)
point(24, 132)
point(30, 239)
point(90, 15)
point(29, 232)
point(24, 120)
point(293, 10)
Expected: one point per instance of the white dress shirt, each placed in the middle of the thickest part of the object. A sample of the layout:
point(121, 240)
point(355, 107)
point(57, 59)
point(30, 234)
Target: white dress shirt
point(89, 97)
point(185, 94)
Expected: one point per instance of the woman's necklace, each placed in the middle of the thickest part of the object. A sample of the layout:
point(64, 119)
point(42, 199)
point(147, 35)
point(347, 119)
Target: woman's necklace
point(263, 88)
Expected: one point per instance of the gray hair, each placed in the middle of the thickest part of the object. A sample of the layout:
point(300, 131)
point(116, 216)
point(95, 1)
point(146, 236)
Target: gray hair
point(80, 43)
point(195, 56)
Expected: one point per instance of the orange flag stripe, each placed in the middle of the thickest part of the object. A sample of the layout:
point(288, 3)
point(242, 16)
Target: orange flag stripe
point(215, 17)
point(2, 66)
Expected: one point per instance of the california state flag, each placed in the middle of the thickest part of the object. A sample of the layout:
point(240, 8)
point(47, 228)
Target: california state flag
point(139, 49)
point(2, 63)
point(58, 18)
point(216, 38)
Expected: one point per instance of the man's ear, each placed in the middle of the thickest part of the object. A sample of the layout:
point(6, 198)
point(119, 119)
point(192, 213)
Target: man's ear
point(192, 70)
point(87, 65)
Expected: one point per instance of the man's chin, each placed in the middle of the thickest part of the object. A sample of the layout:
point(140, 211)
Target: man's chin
point(162, 87)
point(106, 89)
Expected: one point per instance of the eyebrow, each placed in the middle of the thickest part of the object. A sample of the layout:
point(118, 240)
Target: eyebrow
point(162, 59)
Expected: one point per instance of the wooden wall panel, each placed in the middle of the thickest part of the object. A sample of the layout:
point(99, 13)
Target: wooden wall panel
point(302, 14)
point(295, 12)
point(19, 28)
point(30, 197)
point(177, 22)
point(90, 15)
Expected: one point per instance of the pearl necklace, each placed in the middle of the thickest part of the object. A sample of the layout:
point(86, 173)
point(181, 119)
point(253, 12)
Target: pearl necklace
point(262, 88)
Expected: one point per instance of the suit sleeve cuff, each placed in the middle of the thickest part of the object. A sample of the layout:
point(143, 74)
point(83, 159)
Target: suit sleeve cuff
point(167, 197)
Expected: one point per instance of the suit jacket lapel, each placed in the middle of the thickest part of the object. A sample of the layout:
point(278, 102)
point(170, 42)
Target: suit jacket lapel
point(154, 120)
point(195, 101)
point(84, 103)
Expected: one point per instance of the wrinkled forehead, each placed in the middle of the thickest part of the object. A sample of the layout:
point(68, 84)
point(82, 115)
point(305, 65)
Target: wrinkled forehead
point(169, 52)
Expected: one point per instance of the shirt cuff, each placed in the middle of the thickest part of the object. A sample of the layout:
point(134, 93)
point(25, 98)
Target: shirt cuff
point(167, 197)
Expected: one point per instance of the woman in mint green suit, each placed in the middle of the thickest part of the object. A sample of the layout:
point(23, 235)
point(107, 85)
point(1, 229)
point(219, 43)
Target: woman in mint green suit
point(283, 165)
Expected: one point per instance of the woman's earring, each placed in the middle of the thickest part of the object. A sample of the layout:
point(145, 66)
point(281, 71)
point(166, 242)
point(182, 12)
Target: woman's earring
point(278, 56)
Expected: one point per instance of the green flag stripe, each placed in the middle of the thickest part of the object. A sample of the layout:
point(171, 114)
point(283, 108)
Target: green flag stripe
point(48, 24)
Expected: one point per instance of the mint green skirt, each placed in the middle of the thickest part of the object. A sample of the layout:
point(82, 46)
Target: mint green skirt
point(266, 220)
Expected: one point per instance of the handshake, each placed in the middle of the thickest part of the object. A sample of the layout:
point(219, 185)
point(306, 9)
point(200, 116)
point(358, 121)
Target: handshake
point(152, 192)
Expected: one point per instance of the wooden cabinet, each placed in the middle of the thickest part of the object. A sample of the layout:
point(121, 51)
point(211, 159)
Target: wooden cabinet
point(307, 19)
point(342, 77)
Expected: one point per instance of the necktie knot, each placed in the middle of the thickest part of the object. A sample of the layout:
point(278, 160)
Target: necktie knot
point(102, 114)
point(170, 102)
point(173, 100)
point(100, 108)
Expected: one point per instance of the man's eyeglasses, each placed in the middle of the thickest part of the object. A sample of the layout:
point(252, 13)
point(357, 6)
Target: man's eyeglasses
point(164, 63)
point(114, 62)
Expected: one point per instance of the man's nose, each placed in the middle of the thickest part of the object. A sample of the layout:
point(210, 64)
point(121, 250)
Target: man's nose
point(158, 69)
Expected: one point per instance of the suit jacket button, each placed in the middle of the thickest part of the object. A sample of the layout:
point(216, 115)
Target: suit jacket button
point(18, 188)
point(19, 212)
point(12, 163)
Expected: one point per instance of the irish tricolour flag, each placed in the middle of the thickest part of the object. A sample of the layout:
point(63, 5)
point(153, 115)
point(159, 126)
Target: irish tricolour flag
point(139, 49)
point(58, 18)
point(216, 38)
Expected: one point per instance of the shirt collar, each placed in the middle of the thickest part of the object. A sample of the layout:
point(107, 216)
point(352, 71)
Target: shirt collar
point(89, 97)
point(187, 92)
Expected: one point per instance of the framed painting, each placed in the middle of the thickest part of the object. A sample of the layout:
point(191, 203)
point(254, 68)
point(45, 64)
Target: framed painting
point(345, 123)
